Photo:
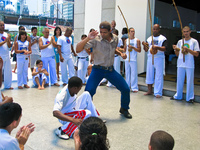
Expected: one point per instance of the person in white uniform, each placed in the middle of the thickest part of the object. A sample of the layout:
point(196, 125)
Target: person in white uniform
point(65, 48)
point(131, 50)
point(190, 49)
point(4, 53)
point(23, 50)
point(47, 56)
point(160, 44)
point(83, 62)
point(7, 124)
point(34, 47)
point(70, 110)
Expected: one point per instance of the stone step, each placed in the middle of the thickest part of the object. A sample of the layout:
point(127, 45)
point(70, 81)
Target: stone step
point(169, 89)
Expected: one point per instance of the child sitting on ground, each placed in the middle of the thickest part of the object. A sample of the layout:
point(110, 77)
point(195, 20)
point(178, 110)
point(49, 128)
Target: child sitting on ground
point(39, 75)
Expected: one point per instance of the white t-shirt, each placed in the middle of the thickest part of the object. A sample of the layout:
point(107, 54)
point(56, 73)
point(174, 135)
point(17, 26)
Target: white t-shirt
point(65, 43)
point(4, 50)
point(133, 53)
point(189, 58)
point(49, 51)
point(35, 47)
point(64, 102)
point(22, 46)
point(158, 41)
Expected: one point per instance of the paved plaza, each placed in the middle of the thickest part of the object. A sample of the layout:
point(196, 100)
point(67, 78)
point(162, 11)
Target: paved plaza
point(180, 119)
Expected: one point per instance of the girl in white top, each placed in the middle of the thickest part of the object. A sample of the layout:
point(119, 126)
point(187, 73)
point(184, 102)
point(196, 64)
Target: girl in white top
point(131, 67)
point(22, 49)
point(39, 75)
point(191, 49)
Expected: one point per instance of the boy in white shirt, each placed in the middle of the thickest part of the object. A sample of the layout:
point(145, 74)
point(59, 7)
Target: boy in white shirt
point(191, 49)
point(70, 110)
point(35, 55)
point(64, 49)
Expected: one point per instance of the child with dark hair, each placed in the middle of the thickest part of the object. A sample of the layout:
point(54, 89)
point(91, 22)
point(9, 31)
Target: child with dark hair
point(10, 116)
point(91, 135)
point(34, 47)
point(70, 110)
point(161, 140)
point(22, 49)
point(39, 75)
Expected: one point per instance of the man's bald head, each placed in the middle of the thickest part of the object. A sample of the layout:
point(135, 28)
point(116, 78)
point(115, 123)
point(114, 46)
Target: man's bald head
point(156, 30)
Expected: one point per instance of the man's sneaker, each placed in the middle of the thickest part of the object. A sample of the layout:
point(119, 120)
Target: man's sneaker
point(125, 113)
point(61, 134)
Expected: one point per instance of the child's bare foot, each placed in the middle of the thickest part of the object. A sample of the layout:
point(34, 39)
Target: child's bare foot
point(42, 88)
point(39, 87)
point(56, 84)
point(20, 87)
point(26, 86)
point(148, 93)
point(158, 96)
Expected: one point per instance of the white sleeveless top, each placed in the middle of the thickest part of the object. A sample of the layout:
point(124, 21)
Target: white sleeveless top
point(22, 46)
point(4, 50)
point(49, 51)
point(133, 53)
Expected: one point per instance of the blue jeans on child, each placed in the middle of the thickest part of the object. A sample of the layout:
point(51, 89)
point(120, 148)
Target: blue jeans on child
point(115, 78)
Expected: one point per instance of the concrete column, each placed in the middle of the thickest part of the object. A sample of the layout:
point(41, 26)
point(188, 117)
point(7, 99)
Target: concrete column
point(108, 10)
point(79, 20)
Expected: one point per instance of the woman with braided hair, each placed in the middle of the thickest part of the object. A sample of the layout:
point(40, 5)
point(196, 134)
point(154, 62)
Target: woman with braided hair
point(92, 134)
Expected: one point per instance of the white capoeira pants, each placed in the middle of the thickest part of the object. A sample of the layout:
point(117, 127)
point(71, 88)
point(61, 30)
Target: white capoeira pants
point(49, 62)
point(40, 78)
point(7, 70)
point(180, 83)
point(82, 68)
point(131, 75)
point(22, 70)
point(84, 109)
point(157, 68)
point(116, 67)
point(67, 64)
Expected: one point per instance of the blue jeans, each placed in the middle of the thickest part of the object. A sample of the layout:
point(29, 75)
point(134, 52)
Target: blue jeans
point(115, 78)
